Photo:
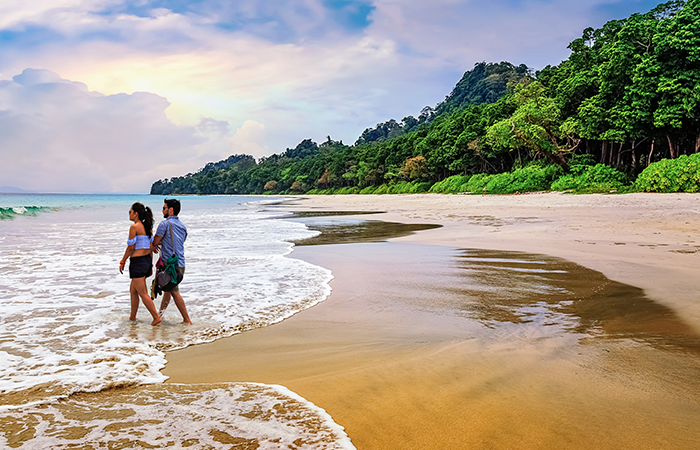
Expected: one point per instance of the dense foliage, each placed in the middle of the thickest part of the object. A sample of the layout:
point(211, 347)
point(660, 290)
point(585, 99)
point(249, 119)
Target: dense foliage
point(671, 175)
point(625, 105)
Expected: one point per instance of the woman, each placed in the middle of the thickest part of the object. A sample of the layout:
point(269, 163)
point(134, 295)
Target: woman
point(141, 266)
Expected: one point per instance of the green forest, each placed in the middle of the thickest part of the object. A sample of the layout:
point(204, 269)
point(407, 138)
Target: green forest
point(621, 114)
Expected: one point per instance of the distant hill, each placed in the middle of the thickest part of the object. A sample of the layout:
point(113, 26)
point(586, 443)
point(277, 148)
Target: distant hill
point(13, 190)
point(485, 83)
point(230, 161)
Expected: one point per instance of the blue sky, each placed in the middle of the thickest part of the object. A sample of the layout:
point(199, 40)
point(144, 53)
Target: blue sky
point(111, 95)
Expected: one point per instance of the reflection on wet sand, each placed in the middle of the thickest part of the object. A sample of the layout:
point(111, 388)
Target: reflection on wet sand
point(517, 287)
point(346, 231)
point(434, 347)
point(524, 288)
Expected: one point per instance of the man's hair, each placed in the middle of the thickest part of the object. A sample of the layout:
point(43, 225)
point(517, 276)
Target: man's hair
point(174, 204)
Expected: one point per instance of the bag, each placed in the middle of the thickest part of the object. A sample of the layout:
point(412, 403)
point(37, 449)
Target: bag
point(168, 273)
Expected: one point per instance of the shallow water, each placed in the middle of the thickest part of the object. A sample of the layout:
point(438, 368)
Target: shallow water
point(65, 307)
point(498, 349)
point(241, 416)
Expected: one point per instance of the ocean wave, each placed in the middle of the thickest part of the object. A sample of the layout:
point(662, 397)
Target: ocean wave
point(235, 415)
point(9, 213)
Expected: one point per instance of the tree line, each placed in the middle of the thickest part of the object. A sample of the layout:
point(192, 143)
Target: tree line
point(627, 97)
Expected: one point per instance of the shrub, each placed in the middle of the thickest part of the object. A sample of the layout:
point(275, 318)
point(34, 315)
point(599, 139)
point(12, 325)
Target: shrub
point(533, 177)
point(348, 190)
point(402, 187)
point(671, 175)
point(383, 189)
point(587, 179)
point(419, 188)
point(451, 185)
point(368, 190)
point(405, 187)
point(477, 183)
point(498, 183)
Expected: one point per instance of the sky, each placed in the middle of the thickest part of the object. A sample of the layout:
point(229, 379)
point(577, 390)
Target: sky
point(112, 95)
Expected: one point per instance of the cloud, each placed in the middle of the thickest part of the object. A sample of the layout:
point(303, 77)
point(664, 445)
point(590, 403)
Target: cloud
point(533, 32)
point(254, 76)
point(249, 139)
point(58, 136)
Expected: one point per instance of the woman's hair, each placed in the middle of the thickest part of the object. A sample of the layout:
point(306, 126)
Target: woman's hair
point(145, 216)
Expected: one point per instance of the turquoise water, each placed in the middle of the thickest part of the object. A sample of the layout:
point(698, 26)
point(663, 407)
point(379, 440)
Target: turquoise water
point(31, 205)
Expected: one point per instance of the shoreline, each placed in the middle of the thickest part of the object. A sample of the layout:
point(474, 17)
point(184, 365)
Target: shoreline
point(651, 241)
point(398, 375)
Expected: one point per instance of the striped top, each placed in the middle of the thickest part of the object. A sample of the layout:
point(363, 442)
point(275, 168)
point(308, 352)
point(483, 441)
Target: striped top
point(141, 241)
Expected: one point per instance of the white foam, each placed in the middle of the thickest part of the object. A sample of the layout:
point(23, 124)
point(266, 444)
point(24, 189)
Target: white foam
point(178, 416)
point(64, 307)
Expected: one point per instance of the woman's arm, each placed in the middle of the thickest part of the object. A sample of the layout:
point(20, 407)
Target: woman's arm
point(129, 249)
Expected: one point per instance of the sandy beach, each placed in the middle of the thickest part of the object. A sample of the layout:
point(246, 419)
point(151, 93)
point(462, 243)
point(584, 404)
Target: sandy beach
point(446, 338)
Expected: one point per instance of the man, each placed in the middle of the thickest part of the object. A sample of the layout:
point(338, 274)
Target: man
point(171, 208)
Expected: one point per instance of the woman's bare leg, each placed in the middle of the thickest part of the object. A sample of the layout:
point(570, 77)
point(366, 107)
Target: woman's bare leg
point(134, 300)
point(146, 299)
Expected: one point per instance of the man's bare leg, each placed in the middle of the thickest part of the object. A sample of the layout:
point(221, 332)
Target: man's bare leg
point(180, 303)
point(164, 302)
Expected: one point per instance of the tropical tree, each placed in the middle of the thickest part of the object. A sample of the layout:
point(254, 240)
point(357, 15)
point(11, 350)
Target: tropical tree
point(415, 168)
point(536, 124)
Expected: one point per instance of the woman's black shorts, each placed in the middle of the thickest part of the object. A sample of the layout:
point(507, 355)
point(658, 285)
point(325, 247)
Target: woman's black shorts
point(141, 266)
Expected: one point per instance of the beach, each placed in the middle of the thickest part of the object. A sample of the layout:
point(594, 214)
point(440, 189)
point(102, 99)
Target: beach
point(523, 321)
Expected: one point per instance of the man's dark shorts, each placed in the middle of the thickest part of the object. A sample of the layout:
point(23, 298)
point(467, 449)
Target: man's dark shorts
point(141, 266)
point(177, 288)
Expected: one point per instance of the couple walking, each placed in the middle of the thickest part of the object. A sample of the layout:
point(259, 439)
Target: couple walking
point(140, 247)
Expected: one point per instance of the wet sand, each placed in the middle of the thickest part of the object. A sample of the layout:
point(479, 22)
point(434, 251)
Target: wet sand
point(651, 241)
point(432, 346)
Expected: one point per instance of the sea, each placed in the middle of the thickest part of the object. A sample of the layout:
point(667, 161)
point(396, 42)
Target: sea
point(66, 338)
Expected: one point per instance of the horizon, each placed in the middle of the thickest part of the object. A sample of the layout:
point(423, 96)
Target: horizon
point(109, 97)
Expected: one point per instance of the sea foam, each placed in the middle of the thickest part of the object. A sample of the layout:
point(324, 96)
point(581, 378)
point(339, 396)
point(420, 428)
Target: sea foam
point(65, 306)
point(241, 415)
